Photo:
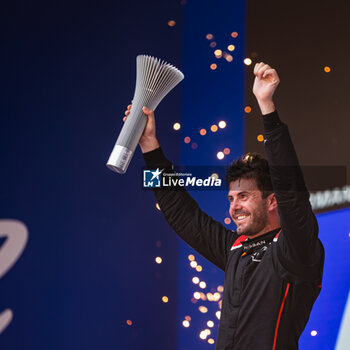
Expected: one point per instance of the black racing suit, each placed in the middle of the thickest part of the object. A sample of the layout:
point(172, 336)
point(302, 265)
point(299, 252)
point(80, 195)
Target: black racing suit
point(272, 281)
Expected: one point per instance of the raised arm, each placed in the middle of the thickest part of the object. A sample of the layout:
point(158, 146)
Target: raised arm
point(207, 236)
point(300, 249)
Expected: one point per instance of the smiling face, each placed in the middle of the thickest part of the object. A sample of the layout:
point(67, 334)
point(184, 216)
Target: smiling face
point(249, 211)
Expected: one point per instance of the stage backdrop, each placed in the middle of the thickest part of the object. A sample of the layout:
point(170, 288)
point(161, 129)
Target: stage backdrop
point(87, 277)
point(78, 243)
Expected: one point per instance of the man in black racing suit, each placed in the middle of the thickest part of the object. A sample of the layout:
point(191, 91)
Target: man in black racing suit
point(273, 263)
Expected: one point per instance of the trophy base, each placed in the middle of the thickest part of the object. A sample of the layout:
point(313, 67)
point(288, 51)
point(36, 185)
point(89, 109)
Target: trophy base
point(119, 159)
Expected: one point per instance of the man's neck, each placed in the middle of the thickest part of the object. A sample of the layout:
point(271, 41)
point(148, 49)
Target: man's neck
point(267, 229)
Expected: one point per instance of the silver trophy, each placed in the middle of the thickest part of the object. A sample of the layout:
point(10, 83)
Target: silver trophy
point(154, 80)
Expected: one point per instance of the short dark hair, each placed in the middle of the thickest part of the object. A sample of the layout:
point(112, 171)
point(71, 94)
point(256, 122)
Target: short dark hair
point(251, 166)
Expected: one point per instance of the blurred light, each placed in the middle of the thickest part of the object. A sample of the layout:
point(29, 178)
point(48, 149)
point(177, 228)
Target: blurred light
point(314, 333)
point(214, 128)
point(171, 23)
point(218, 53)
point(193, 300)
point(202, 284)
point(228, 58)
point(191, 257)
point(217, 296)
point(177, 126)
point(203, 309)
point(208, 331)
point(210, 324)
point(213, 66)
point(187, 139)
point(209, 36)
point(213, 44)
point(129, 322)
point(220, 304)
point(227, 221)
point(327, 69)
point(194, 145)
point(197, 295)
point(215, 176)
point(199, 268)
point(157, 206)
point(220, 289)
point(202, 132)
point(158, 244)
point(203, 335)
point(185, 323)
point(195, 280)
point(227, 151)
point(247, 61)
point(231, 47)
point(193, 264)
point(222, 124)
point(211, 341)
point(188, 318)
point(260, 138)
point(210, 297)
point(203, 296)
point(220, 155)
point(234, 34)
point(165, 299)
point(247, 109)
point(158, 260)
point(218, 314)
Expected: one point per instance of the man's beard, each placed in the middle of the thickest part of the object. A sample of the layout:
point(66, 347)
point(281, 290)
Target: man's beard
point(257, 222)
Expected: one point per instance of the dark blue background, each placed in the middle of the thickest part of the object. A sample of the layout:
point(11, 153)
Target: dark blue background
point(68, 71)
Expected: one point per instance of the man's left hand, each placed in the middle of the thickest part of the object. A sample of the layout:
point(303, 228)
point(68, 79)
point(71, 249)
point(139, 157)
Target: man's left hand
point(265, 84)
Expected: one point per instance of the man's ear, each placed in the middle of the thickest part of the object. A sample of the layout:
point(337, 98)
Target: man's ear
point(271, 202)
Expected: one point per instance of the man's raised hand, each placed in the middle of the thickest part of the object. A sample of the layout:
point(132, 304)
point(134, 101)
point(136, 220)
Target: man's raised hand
point(265, 84)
